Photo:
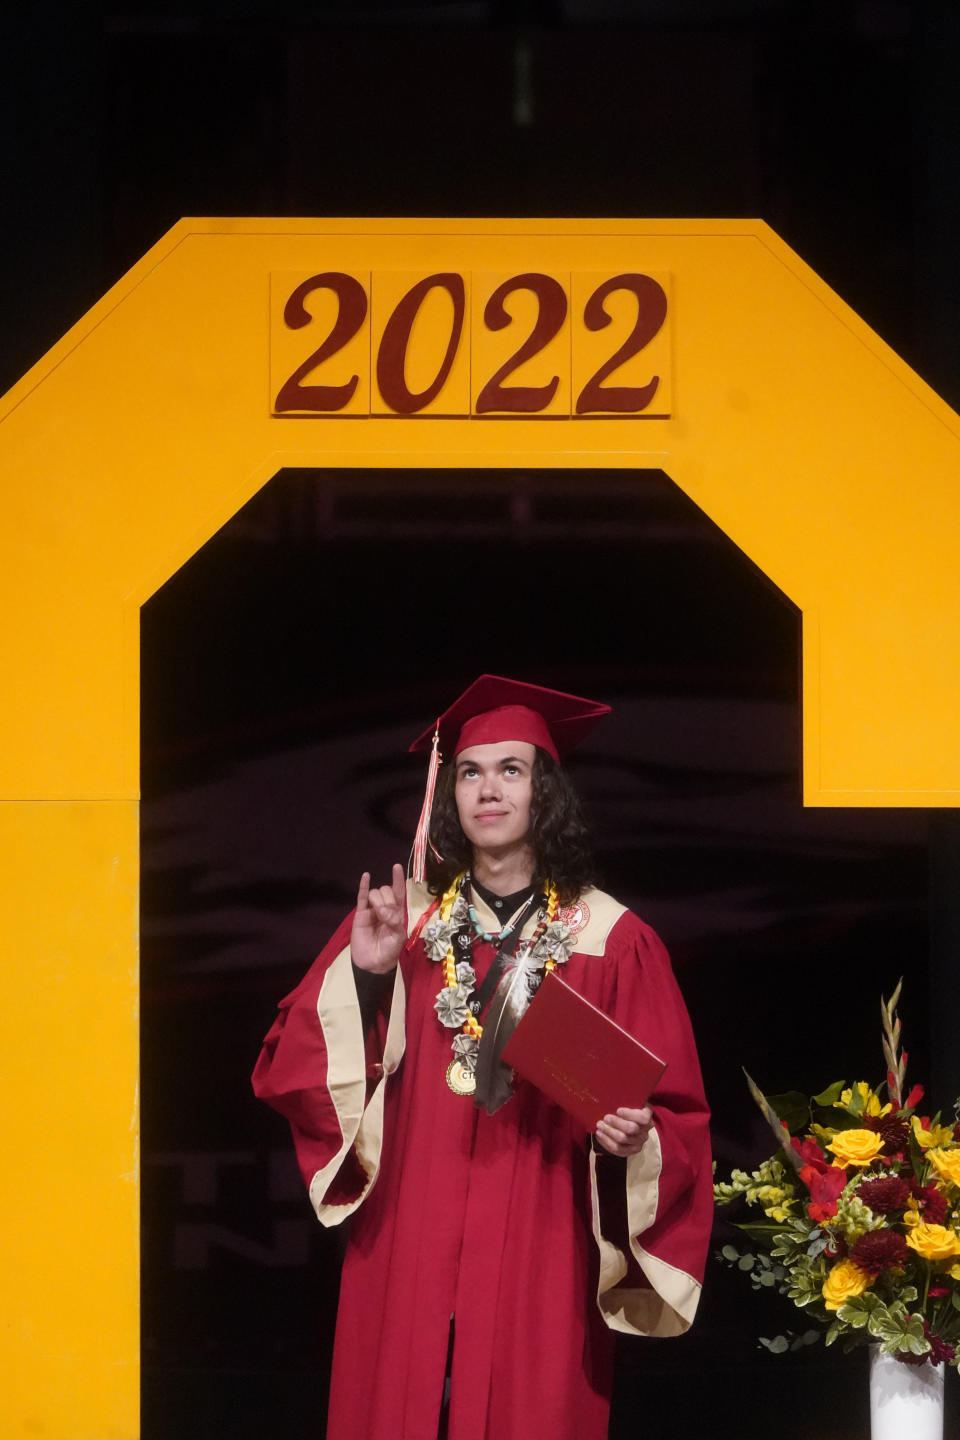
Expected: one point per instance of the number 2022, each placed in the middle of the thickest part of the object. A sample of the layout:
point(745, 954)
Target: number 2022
point(546, 311)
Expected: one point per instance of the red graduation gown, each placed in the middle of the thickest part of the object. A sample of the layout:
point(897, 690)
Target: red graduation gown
point(488, 1218)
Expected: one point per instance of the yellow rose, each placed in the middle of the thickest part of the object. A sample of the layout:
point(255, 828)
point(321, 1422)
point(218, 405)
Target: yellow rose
point(844, 1281)
point(934, 1242)
point(856, 1147)
point(936, 1135)
point(947, 1164)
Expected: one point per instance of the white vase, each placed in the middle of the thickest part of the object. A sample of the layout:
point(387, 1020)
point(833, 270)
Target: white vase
point(906, 1401)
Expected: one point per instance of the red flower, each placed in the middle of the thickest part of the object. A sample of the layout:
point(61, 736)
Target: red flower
point(940, 1349)
point(933, 1205)
point(937, 1292)
point(895, 1132)
point(810, 1153)
point(914, 1098)
point(879, 1249)
point(885, 1194)
point(825, 1189)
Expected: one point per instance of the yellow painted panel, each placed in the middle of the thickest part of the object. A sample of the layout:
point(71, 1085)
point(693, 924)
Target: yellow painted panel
point(790, 424)
point(68, 1243)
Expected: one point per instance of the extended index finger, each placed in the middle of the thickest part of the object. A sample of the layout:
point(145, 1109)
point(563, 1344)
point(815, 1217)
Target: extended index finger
point(399, 886)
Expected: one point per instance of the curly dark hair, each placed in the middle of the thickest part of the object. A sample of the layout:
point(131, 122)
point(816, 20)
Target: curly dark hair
point(559, 839)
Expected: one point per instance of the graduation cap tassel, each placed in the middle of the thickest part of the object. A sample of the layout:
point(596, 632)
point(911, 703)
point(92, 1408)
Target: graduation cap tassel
point(422, 838)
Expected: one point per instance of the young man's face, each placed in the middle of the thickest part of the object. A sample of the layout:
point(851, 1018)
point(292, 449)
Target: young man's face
point(493, 794)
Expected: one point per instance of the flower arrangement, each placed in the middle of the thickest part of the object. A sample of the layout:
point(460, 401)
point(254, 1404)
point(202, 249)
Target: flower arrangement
point(861, 1207)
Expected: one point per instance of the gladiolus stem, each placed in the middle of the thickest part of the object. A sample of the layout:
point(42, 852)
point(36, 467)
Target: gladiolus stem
point(896, 1066)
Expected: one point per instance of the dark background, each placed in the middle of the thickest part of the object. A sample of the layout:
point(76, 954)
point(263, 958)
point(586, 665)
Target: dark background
point(837, 123)
point(286, 666)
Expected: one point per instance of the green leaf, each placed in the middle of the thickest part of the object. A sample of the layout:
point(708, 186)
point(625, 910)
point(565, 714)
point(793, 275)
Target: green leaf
point(830, 1095)
point(836, 1119)
point(779, 1345)
point(764, 1232)
point(746, 1262)
point(854, 1313)
point(767, 1278)
point(881, 1324)
point(918, 1158)
point(832, 1333)
point(731, 1253)
point(792, 1108)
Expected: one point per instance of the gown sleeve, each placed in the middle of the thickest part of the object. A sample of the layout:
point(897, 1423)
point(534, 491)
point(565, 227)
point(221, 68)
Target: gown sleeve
point(652, 1214)
point(326, 1071)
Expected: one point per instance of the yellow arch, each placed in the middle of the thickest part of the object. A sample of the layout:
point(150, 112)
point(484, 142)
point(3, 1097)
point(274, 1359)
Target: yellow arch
point(792, 425)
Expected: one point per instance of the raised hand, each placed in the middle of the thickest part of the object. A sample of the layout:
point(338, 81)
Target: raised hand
point(626, 1132)
point(379, 924)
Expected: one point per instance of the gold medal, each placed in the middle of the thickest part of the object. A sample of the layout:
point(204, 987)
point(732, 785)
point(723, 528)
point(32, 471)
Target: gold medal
point(461, 1080)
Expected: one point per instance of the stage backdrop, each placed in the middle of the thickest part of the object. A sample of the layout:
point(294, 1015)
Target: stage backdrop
point(236, 348)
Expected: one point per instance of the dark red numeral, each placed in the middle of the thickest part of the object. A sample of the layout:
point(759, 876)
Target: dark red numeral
point(351, 314)
point(392, 355)
point(524, 399)
point(651, 313)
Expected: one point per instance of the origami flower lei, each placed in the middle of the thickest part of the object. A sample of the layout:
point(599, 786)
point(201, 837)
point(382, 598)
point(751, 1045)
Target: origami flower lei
point(550, 945)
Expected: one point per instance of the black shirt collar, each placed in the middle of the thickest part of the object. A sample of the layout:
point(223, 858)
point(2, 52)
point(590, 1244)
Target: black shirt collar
point(501, 905)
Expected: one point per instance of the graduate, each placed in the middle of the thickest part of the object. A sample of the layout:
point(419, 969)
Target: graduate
point(494, 1245)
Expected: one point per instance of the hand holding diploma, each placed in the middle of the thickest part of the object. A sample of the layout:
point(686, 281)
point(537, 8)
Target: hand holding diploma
point(625, 1133)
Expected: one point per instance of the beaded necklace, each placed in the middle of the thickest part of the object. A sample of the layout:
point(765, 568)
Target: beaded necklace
point(519, 910)
point(550, 944)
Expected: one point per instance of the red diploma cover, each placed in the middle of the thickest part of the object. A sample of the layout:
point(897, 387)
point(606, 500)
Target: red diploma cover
point(578, 1057)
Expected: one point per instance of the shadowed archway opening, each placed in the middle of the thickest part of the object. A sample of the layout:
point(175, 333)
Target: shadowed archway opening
point(284, 670)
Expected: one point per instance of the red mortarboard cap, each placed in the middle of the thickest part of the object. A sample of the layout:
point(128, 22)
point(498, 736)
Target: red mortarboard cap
point(494, 709)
